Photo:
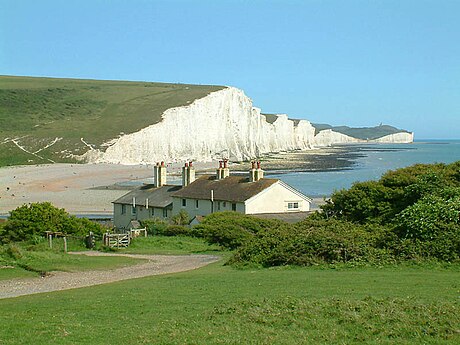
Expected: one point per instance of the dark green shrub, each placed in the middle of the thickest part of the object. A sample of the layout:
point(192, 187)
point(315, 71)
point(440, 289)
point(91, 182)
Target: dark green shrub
point(155, 226)
point(230, 229)
point(313, 242)
point(176, 230)
point(35, 219)
point(181, 218)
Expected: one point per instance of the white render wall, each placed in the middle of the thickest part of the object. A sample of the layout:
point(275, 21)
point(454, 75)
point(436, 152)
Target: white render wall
point(275, 199)
point(204, 207)
point(221, 124)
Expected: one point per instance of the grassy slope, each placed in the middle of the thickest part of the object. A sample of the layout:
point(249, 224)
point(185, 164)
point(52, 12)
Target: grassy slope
point(364, 133)
point(219, 304)
point(40, 109)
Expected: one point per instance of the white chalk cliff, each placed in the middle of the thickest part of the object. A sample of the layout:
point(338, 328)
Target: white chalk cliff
point(222, 124)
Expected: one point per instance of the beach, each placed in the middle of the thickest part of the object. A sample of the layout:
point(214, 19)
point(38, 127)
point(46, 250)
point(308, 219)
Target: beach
point(89, 189)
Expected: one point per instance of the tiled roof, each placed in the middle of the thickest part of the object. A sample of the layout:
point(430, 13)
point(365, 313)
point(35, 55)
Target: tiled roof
point(232, 188)
point(158, 197)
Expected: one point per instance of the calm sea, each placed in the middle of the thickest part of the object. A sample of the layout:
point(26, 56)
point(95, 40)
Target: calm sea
point(376, 159)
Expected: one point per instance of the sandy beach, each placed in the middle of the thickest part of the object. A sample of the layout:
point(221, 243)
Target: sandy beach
point(90, 188)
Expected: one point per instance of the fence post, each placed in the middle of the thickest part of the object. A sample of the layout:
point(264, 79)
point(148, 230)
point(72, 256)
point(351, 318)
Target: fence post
point(65, 244)
point(50, 240)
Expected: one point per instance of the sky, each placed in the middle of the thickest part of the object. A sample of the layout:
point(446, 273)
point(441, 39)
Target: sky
point(345, 62)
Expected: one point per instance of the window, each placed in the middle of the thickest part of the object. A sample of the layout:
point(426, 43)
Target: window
point(293, 205)
point(123, 209)
point(150, 212)
point(165, 213)
point(184, 202)
point(233, 207)
point(133, 210)
point(218, 206)
point(196, 204)
point(224, 204)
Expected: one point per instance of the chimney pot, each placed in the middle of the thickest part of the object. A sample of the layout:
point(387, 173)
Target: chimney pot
point(186, 165)
point(258, 165)
point(226, 163)
point(162, 164)
point(220, 164)
point(253, 164)
point(190, 164)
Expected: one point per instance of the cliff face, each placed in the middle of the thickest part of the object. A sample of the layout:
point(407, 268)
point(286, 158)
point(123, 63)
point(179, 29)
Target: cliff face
point(222, 124)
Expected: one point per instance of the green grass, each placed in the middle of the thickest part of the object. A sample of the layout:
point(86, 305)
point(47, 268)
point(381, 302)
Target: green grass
point(38, 110)
point(222, 305)
point(23, 260)
point(170, 245)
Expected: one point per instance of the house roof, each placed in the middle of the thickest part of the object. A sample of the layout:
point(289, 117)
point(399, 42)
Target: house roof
point(231, 188)
point(158, 197)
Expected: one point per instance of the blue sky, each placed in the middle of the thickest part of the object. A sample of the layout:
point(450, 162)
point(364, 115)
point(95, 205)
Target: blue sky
point(358, 63)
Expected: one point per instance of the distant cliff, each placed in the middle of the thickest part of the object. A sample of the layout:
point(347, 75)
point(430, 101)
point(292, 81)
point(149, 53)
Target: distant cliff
point(221, 124)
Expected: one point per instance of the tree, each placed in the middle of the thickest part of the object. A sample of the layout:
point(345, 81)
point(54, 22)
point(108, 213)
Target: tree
point(35, 219)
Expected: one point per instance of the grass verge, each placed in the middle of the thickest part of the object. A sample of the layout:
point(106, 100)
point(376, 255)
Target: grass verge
point(222, 305)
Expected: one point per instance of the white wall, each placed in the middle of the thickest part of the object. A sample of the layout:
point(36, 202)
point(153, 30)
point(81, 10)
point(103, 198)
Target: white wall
point(275, 199)
point(204, 207)
point(122, 220)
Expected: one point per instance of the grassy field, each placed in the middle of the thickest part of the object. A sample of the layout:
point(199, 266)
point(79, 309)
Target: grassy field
point(36, 111)
point(222, 305)
point(219, 304)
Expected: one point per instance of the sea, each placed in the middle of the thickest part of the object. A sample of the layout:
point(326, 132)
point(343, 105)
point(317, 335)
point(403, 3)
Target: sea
point(372, 161)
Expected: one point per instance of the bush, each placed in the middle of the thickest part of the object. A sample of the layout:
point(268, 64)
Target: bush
point(29, 221)
point(313, 242)
point(176, 230)
point(181, 218)
point(155, 226)
point(230, 229)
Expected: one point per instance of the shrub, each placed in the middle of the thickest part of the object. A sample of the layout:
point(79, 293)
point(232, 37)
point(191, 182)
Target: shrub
point(29, 221)
point(230, 229)
point(313, 242)
point(155, 226)
point(181, 218)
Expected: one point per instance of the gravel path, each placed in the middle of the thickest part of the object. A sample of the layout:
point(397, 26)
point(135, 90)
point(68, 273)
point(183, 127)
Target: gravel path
point(156, 264)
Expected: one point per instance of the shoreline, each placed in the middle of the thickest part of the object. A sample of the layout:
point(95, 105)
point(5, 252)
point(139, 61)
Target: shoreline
point(89, 189)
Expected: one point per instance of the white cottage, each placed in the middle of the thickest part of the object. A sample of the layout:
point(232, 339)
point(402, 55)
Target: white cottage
point(252, 194)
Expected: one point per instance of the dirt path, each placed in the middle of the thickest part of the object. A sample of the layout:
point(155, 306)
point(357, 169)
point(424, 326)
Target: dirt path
point(156, 264)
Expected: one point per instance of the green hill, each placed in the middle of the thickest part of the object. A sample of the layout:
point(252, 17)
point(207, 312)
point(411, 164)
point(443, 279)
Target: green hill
point(365, 133)
point(36, 111)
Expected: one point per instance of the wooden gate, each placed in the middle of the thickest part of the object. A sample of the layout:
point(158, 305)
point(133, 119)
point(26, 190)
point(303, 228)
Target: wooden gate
point(117, 240)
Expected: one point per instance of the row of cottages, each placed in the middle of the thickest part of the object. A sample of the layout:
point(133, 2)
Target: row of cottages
point(201, 196)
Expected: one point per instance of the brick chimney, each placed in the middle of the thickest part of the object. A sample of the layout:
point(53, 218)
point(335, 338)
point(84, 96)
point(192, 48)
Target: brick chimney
point(159, 174)
point(225, 170)
point(188, 174)
point(256, 173)
point(219, 171)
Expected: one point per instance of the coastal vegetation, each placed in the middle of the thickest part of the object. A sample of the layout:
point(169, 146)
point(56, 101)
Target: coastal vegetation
point(411, 214)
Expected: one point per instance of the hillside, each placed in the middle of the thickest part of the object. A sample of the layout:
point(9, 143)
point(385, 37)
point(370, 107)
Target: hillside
point(45, 120)
point(48, 117)
point(364, 133)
